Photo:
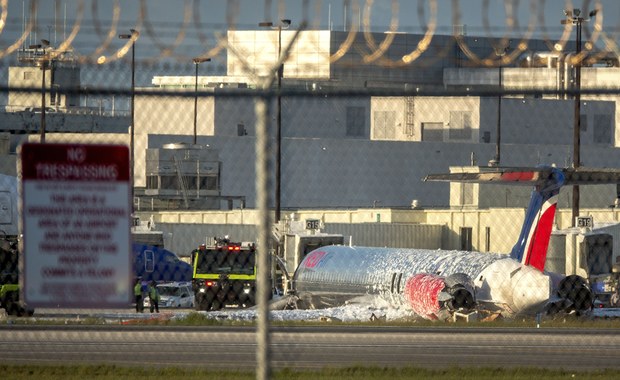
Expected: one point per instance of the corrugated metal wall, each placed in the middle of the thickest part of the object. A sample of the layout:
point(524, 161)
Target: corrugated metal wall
point(389, 235)
point(183, 238)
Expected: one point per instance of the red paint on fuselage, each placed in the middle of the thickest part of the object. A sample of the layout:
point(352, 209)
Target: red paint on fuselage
point(421, 291)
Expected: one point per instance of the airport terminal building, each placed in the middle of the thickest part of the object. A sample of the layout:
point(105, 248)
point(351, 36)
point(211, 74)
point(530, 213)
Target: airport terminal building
point(374, 146)
point(359, 137)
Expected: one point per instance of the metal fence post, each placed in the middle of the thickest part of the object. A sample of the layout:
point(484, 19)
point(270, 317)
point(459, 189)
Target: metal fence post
point(263, 189)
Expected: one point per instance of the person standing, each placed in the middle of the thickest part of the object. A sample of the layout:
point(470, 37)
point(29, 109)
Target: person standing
point(137, 292)
point(615, 298)
point(154, 296)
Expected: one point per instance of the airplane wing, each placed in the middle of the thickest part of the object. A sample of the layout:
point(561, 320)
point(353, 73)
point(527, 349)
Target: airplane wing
point(591, 176)
point(532, 176)
point(524, 176)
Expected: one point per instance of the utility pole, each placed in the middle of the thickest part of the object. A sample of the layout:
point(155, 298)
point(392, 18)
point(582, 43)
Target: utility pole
point(500, 53)
point(133, 37)
point(197, 61)
point(573, 17)
point(284, 24)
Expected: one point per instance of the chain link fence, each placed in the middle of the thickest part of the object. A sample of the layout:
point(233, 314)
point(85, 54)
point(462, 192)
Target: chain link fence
point(250, 130)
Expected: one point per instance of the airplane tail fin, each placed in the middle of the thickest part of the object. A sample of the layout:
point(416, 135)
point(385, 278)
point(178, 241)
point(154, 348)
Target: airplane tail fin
point(531, 247)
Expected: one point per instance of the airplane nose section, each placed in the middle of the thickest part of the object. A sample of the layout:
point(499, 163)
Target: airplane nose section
point(531, 289)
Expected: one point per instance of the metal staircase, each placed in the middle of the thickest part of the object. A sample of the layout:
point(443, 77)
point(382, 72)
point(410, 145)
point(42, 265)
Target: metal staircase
point(177, 166)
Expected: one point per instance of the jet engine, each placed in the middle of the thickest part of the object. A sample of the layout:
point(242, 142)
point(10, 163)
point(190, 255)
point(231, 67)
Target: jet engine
point(575, 295)
point(436, 297)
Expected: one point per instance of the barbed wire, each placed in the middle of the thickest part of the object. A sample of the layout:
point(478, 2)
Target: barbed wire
point(360, 38)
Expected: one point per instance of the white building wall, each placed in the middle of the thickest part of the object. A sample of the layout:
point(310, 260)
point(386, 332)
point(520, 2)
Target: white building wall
point(453, 119)
point(27, 77)
point(168, 116)
point(549, 121)
point(257, 52)
point(602, 78)
point(595, 78)
point(78, 138)
point(65, 78)
point(447, 110)
point(302, 117)
point(323, 167)
point(328, 172)
point(493, 230)
point(388, 119)
point(512, 77)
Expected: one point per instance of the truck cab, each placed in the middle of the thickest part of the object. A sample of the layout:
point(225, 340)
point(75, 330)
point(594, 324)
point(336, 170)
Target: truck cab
point(224, 275)
point(9, 278)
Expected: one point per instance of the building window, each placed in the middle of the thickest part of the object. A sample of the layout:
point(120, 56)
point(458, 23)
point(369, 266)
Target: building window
point(432, 131)
point(151, 182)
point(583, 123)
point(466, 238)
point(460, 126)
point(385, 125)
point(208, 182)
point(487, 239)
point(190, 182)
point(602, 129)
point(169, 182)
point(241, 130)
point(356, 121)
point(28, 75)
point(467, 194)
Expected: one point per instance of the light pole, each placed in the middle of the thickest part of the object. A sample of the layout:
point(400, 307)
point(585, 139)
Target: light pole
point(133, 37)
point(197, 61)
point(499, 52)
point(574, 17)
point(284, 24)
point(43, 100)
point(43, 61)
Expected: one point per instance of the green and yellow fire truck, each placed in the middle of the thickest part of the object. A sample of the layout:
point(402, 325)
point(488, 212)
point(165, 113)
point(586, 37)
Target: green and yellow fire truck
point(9, 278)
point(224, 275)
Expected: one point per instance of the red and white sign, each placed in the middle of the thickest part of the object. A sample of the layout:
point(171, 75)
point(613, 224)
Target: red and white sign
point(76, 224)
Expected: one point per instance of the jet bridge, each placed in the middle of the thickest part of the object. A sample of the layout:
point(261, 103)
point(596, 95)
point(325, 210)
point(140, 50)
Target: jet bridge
point(588, 252)
point(298, 238)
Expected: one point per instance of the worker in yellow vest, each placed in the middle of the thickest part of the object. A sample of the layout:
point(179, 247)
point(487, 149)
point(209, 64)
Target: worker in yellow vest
point(137, 292)
point(154, 296)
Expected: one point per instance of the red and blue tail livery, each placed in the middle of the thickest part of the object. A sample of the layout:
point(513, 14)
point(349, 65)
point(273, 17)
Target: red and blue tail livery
point(531, 247)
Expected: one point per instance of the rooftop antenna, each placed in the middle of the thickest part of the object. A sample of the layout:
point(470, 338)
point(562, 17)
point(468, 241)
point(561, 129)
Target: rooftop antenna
point(23, 22)
point(329, 17)
point(359, 18)
point(55, 22)
point(36, 24)
point(64, 28)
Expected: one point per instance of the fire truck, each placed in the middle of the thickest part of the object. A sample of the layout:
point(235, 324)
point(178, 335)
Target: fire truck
point(225, 272)
point(9, 273)
point(224, 275)
point(9, 249)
